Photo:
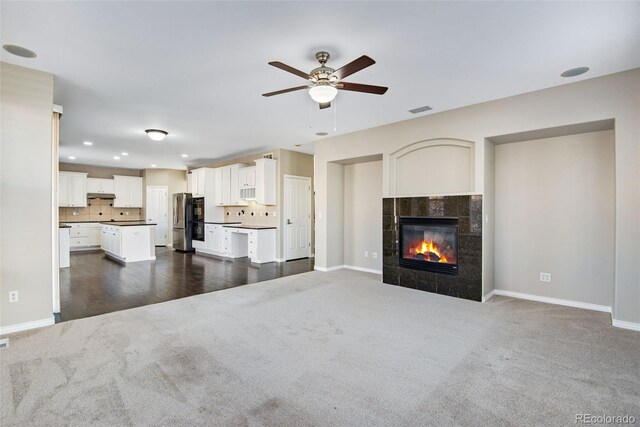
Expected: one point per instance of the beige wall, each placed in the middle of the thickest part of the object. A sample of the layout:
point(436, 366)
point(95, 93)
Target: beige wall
point(176, 182)
point(334, 215)
point(26, 195)
point(616, 96)
point(555, 214)
point(363, 215)
point(99, 171)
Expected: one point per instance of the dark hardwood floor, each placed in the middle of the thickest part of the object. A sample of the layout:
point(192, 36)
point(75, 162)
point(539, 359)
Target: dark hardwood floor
point(95, 284)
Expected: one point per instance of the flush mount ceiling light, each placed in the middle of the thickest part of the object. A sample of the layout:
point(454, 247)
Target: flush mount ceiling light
point(88, 143)
point(323, 93)
point(19, 51)
point(575, 72)
point(156, 134)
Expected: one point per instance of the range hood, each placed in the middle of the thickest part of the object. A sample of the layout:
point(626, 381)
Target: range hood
point(101, 196)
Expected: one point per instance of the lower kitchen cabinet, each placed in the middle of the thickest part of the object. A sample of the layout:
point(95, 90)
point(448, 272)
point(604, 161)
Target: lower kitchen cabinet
point(84, 236)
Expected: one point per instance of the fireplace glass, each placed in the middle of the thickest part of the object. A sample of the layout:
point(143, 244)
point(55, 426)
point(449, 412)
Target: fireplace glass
point(429, 244)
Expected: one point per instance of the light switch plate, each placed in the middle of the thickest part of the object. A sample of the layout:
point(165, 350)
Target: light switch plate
point(545, 277)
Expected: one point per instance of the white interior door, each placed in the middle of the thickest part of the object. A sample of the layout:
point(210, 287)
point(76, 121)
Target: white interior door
point(157, 212)
point(297, 217)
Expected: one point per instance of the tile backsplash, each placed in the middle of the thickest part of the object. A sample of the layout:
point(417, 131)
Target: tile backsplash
point(253, 214)
point(99, 210)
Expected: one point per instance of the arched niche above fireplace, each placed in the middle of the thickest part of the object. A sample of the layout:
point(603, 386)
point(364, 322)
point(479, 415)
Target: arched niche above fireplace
point(434, 166)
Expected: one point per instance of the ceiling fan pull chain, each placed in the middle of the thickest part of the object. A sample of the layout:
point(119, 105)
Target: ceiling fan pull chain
point(310, 105)
point(335, 115)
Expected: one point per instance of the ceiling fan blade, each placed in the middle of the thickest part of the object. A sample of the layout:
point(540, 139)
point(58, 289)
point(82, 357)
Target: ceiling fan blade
point(291, 89)
point(359, 87)
point(289, 69)
point(353, 67)
point(324, 105)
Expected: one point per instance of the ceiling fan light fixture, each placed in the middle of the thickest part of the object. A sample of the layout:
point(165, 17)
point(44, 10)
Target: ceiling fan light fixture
point(156, 134)
point(323, 93)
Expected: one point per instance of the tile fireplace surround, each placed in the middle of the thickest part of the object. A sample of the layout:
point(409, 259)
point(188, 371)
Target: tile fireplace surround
point(468, 209)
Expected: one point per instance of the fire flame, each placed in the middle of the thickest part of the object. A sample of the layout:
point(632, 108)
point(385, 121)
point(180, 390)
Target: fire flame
point(429, 247)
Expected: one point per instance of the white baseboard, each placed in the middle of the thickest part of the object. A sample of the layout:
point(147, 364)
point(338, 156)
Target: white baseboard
point(281, 260)
point(488, 296)
point(626, 325)
point(27, 325)
point(557, 301)
point(327, 269)
point(365, 270)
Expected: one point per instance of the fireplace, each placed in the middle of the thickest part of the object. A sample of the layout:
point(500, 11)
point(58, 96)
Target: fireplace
point(429, 244)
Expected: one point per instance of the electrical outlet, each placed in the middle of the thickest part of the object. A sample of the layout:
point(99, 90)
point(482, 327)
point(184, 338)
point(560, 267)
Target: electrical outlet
point(4, 342)
point(545, 277)
point(13, 296)
point(374, 255)
point(366, 254)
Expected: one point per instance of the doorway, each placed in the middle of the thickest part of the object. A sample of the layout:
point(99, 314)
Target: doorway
point(297, 217)
point(157, 212)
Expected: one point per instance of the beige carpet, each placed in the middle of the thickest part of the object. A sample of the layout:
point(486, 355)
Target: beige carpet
point(323, 349)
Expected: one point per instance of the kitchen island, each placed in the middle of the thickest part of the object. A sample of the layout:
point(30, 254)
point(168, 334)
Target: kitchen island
point(128, 241)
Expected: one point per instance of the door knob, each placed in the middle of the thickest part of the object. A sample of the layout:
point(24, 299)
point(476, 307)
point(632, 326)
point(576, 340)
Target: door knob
point(289, 221)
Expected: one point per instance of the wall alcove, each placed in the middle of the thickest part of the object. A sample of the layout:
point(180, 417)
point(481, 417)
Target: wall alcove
point(434, 166)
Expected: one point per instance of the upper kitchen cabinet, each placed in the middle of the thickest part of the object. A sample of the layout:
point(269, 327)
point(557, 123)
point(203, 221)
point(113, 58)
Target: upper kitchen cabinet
point(229, 186)
point(100, 186)
point(190, 186)
point(128, 191)
point(202, 182)
point(265, 179)
point(72, 189)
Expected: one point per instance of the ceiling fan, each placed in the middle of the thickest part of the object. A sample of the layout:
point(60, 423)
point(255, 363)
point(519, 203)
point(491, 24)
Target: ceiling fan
point(324, 81)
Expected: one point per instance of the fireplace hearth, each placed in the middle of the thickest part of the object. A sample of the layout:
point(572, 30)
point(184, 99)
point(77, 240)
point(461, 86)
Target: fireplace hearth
point(429, 244)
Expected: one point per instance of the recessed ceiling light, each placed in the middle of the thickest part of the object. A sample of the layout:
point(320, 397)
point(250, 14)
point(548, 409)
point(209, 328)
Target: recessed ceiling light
point(72, 157)
point(88, 143)
point(322, 133)
point(156, 134)
point(116, 158)
point(154, 166)
point(575, 72)
point(19, 51)
point(184, 155)
point(125, 154)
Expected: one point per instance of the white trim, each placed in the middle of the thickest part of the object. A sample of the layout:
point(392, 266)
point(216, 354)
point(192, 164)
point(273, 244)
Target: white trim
point(327, 269)
point(27, 325)
point(488, 296)
point(364, 270)
point(557, 301)
point(626, 325)
point(58, 109)
point(281, 260)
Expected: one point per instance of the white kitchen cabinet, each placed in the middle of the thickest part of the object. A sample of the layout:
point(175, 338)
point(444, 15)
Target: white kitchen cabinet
point(128, 191)
point(247, 183)
point(226, 186)
point(266, 181)
point(218, 198)
point(257, 244)
point(100, 186)
point(72, 189)
point(84, 236)
point(190, 186)
point(214, 240)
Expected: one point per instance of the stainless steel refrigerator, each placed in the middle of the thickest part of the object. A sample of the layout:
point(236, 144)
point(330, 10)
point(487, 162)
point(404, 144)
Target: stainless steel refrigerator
point(182, 221)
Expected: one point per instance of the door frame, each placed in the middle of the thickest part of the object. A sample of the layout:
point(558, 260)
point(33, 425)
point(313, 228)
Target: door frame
point(146, 208)
point(311, 218)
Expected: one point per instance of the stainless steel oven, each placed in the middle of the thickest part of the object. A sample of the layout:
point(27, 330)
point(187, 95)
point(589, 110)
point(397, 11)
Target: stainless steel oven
point(198, 209)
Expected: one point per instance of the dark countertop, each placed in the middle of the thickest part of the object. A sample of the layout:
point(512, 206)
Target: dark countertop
point(127, 223)
point(224, 223)
point(64, 225)
point(101, 222)
point(252, 227)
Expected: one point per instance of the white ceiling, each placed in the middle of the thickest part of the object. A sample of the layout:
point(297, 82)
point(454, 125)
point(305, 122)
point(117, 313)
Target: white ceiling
point(197, 70)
